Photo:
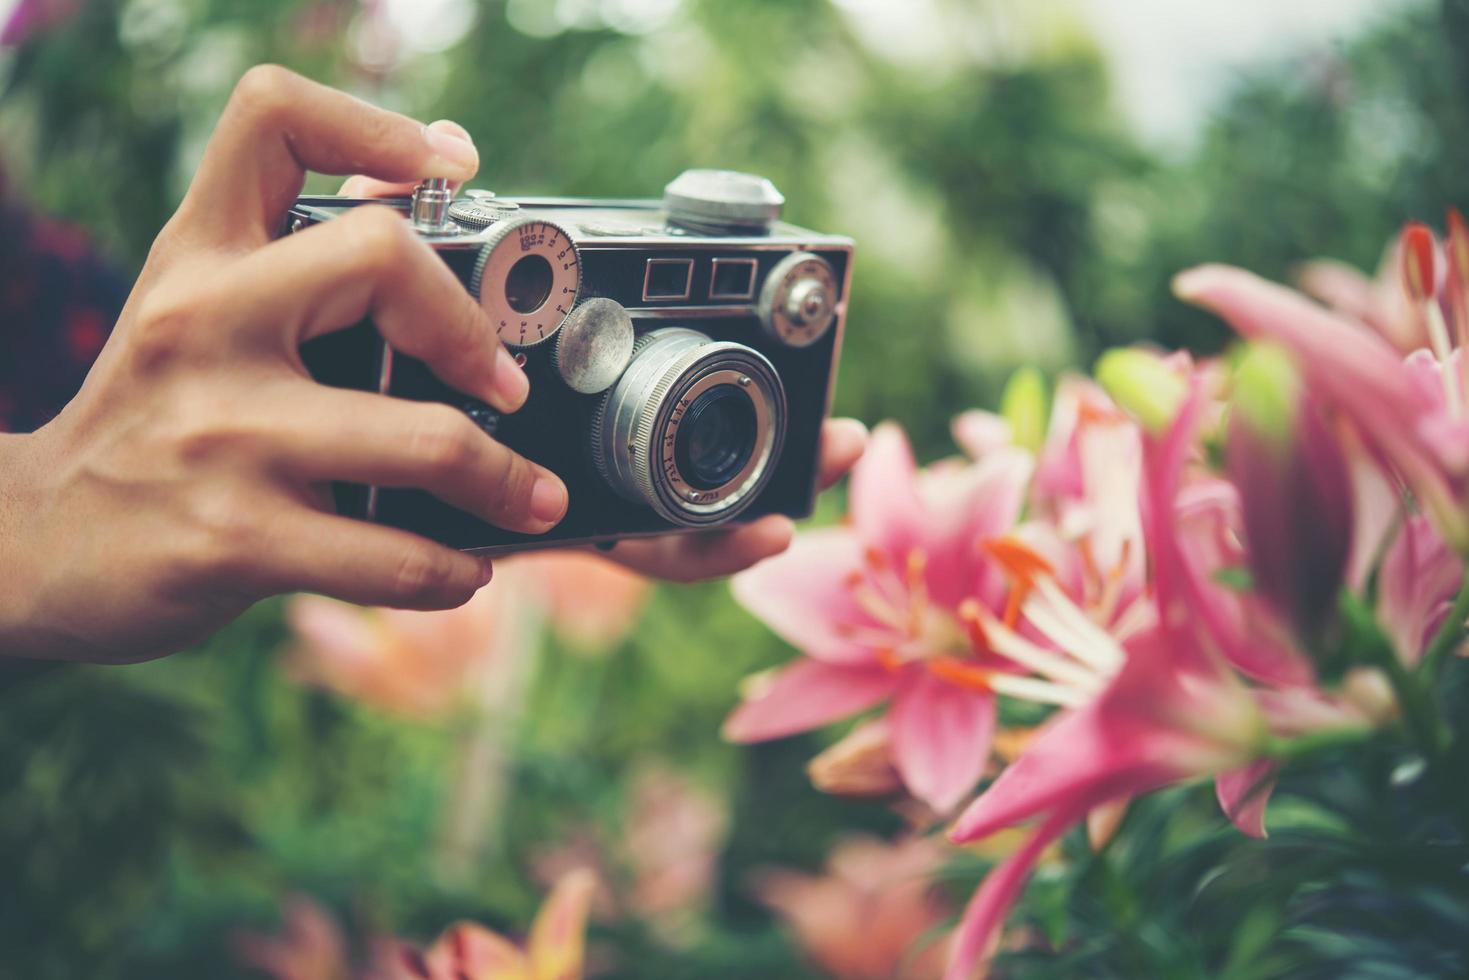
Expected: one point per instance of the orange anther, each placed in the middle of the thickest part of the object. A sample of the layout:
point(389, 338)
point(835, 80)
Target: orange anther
point(888, 657)
point(876, 558)
point(1020, 560)
point(1089, 413)
point(917, 563)
point(973, 622)
point(1417, 253)
point(952, 670)
point(1018, 594)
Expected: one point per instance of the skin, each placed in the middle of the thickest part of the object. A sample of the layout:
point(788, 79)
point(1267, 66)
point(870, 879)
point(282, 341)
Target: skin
point(187, 480)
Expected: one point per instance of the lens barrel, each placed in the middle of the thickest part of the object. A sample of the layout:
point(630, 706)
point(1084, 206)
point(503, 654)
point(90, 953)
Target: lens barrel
point(692, 428)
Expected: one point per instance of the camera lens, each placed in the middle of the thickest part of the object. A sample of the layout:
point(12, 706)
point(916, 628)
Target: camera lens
point(716, 437)
point(528, 283)
point(693, 428)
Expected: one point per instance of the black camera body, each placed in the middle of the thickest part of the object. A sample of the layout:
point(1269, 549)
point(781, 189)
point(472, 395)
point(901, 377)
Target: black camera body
point(681, 354)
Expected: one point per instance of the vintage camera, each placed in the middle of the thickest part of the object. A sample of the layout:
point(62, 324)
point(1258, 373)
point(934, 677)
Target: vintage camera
point(681, 353)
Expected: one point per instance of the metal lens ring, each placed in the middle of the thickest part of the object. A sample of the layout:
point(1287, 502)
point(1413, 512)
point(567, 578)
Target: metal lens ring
point(652, 434)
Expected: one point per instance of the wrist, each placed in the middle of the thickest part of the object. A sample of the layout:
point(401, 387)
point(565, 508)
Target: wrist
point(18, 576)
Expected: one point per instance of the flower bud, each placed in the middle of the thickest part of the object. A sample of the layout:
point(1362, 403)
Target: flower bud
point(859, 765)
point(1295, 492)
point(1024, 405)
point(1142, 384)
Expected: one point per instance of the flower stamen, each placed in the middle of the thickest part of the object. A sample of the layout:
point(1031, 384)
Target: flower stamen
point(960, 673)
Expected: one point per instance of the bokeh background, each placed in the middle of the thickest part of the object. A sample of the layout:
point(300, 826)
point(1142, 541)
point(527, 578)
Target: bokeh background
point(1022, 179)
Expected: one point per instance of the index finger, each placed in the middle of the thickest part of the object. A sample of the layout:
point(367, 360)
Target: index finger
point(277, 126)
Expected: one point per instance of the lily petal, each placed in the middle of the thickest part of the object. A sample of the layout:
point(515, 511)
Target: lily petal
point(1160, 720)
point(470, 951)
point(1356, 372)
point(967, 505)
point(980, 433)
point(1243, 794)
point(941, 739)
point(804, 695)
point(805, 596)
point(558, 937)
point(1419, 579)
point(978, 934)
point(885, 507)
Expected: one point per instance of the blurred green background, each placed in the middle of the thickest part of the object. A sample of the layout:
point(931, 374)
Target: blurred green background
point(1008, 212)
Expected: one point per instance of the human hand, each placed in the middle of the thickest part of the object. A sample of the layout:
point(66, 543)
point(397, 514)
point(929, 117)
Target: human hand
point(189, 478)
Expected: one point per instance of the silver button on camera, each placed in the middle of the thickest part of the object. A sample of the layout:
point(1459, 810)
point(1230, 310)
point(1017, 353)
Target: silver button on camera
point(430, 209)
point(594, 345)
point(798, 302)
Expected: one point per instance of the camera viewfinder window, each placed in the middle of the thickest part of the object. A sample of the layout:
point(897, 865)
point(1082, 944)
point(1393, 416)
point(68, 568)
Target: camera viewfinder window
point(668, 279)
point(733, 279)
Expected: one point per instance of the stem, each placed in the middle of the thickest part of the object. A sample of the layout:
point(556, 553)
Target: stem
point(1449, 635)
point(471, 818)
point(1420, 714)
point(1287, 750)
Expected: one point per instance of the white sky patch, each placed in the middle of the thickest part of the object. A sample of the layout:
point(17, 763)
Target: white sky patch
point(1171, 60)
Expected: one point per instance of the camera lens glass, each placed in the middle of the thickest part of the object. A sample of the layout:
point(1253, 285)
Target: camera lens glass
point(716, 437)
point(528, 283)
point(693, 428)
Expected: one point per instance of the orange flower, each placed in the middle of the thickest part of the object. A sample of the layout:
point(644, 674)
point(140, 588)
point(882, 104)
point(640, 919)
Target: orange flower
point(864, 919)
point(422, 663)
point(313, 947)
point(556, 949)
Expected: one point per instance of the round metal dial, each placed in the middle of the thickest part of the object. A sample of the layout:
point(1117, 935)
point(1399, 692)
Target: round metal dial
point(526, 278)
point(798, 301)
point(594, 345)
point(481, 212)
point(722, 202)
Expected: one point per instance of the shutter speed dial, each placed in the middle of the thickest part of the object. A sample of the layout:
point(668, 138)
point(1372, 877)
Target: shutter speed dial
point(798, 301)
point(526, 279)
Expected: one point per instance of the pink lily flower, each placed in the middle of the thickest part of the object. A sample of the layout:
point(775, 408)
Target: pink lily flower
point(32, 17)
point(896, 607)
point(1158, 723)
point(1086, 488)
point(422, 664)
point(1173, 712)
point(1411, 413)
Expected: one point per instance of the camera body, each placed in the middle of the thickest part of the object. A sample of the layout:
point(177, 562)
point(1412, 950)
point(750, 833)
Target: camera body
point(681, 354)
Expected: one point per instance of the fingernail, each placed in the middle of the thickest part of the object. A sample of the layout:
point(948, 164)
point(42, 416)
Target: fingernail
point(548, 499)
point(453, 148)
point(508, 382)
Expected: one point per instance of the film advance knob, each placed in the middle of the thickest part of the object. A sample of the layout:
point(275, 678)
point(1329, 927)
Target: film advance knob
point(594, 346)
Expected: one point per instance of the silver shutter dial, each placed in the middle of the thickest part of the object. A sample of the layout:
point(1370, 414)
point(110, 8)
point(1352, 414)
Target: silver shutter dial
point(526, 279)
point(722, 202)
point(799, 298)
point(594, 345)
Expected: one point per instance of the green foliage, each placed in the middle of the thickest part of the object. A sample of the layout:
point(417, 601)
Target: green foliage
point(1004, 217)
